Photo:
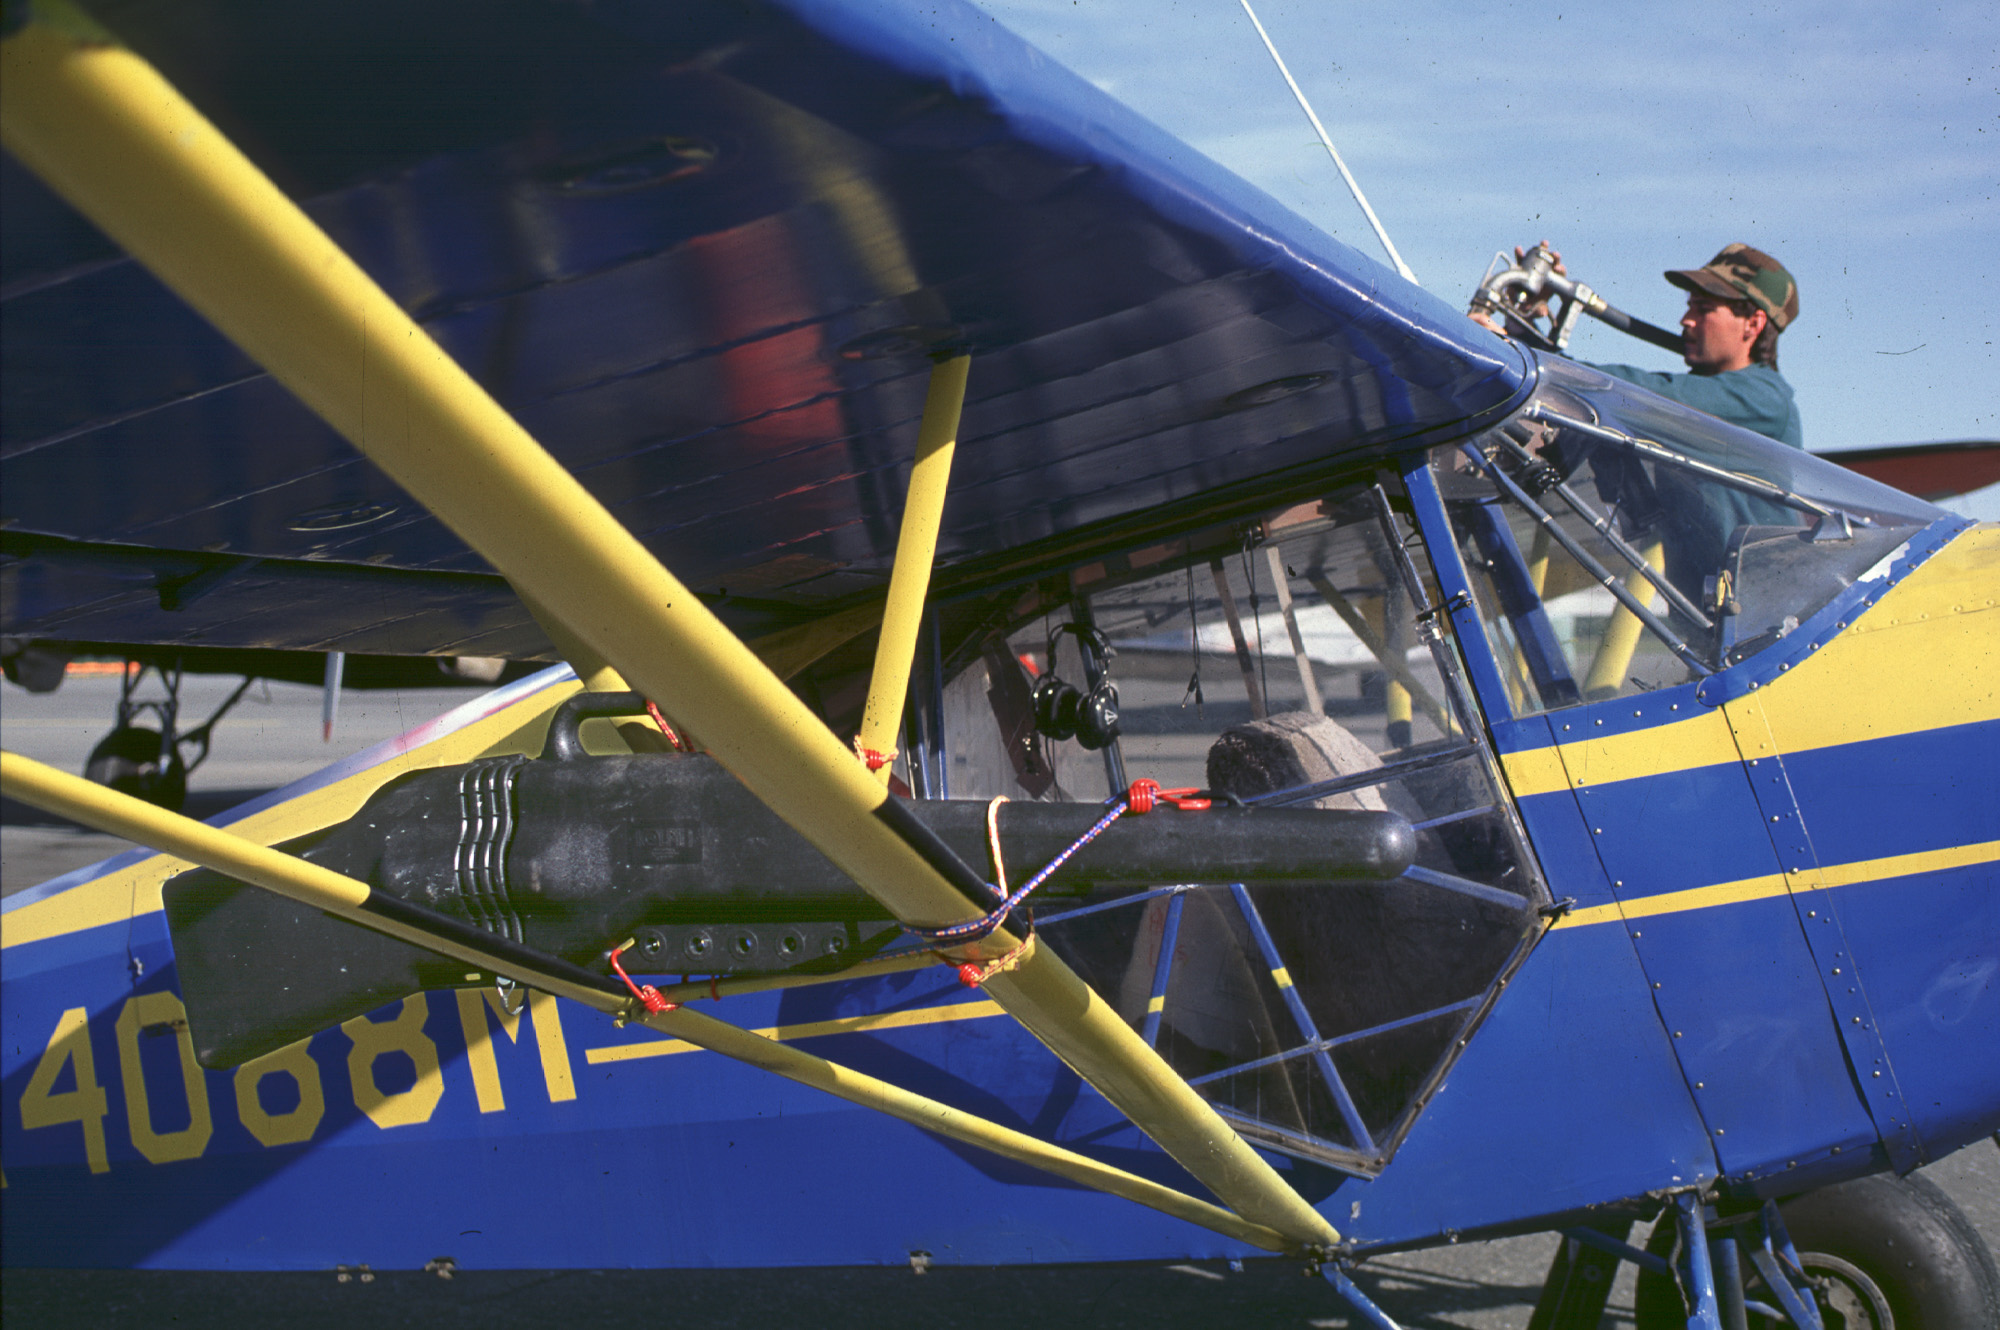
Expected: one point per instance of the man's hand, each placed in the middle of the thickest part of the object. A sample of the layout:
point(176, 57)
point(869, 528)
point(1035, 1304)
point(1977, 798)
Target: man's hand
point(1540, 309)
point(1521, 257)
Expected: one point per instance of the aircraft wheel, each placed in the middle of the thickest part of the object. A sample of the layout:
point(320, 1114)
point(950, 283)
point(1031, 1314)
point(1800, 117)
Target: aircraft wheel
point(130, 760)
point(1887, 1253)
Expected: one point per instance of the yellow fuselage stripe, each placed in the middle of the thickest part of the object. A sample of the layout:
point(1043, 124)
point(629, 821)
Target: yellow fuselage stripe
point(894, 1020)
point(1702, 740)
point(1775, 884)
point(1851, 690)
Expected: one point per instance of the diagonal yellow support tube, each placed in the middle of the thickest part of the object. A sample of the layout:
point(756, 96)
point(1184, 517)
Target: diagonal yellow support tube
point(591, 670)
point(916, 551)
point(54, 791)
point(1621, 635)
point(639, 734)
point(103, 129)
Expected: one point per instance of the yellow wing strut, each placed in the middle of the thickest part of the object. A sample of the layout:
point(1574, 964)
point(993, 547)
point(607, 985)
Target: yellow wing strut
point(109, 134)
point(916, 550)
point(108, 810)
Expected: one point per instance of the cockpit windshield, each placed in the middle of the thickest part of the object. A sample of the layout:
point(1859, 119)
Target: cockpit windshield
point(1620, 542)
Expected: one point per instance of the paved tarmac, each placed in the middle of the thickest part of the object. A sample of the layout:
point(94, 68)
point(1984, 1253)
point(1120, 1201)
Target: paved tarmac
point(274, 737)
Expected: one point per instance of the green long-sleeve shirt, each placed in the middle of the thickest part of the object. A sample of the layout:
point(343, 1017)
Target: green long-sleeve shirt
point(1707, 514)
point(1756, 398)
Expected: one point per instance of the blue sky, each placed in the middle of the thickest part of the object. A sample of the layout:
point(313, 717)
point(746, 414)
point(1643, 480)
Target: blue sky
point(1860, 144)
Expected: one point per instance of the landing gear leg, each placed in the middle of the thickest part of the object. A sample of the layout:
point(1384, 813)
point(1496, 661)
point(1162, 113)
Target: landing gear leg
point(146, 762)
point(137, 759)
point(1877, 1253)
point(1693, 1272)
point(1361, 1302)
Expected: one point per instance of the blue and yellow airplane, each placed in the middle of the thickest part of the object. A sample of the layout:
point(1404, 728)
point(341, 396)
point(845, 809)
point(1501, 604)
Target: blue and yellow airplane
point(903, 463)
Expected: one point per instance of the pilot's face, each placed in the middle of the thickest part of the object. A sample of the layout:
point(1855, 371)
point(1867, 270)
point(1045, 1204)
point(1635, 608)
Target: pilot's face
point(1716, 338)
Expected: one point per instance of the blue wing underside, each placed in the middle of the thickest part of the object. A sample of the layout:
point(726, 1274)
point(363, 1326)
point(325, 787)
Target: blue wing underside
point(703, 252)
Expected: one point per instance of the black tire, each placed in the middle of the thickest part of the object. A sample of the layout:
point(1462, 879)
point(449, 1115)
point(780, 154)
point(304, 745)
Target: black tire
point(130, 760)
point(1889, 1254)
point(35, 666)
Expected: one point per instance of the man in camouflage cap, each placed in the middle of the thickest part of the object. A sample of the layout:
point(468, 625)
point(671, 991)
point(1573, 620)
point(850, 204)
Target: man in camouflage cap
point(1741, 276)
point(1738, 303)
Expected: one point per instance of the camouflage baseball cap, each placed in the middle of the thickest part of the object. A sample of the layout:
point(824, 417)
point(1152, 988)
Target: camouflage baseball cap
point(1742, 273)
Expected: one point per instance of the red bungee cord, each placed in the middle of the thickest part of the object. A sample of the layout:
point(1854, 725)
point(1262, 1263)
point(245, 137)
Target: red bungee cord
point(646, 995)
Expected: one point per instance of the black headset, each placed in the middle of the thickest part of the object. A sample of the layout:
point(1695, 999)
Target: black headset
point(1063, 712)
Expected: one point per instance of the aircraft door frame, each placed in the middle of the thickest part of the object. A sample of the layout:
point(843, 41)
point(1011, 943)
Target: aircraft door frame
point(1825, 932)
point(1896, 691)
point(1725, 1022)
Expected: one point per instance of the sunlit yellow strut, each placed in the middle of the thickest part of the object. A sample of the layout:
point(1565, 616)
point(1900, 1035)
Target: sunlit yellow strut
point(44, 787)
point(114, 139)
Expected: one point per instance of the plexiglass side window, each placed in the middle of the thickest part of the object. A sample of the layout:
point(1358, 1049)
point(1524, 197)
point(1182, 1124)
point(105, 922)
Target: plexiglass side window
point(1617, 542)
point(1280, 664)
